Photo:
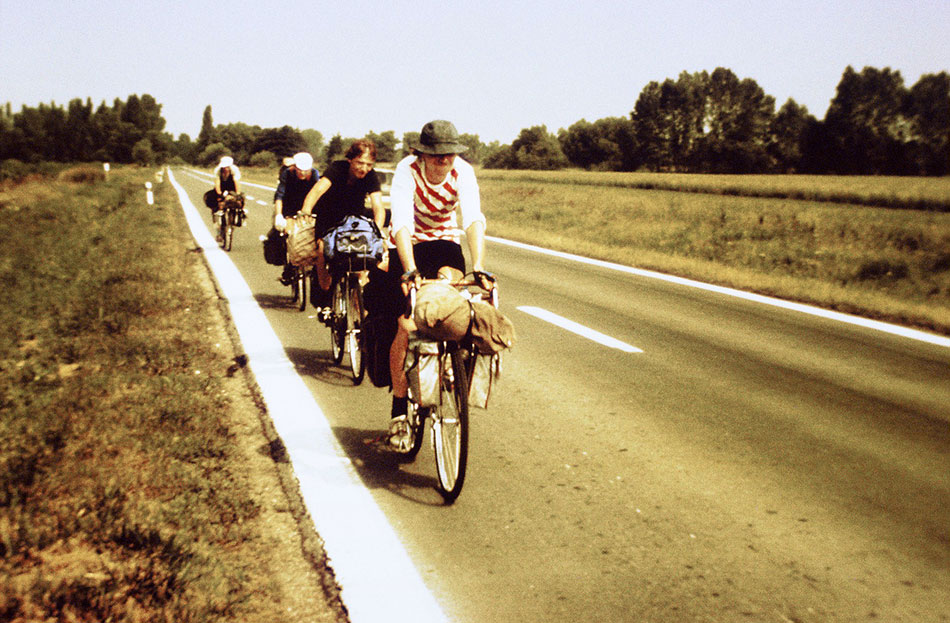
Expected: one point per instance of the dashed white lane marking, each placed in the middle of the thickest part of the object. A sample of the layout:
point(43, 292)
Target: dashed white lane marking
point(876, 325)
point(377, 578)
point(578, 329)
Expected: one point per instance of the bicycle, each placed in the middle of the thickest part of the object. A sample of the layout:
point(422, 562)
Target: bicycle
point(230, 214)
point(454, 362)
point(299, 277)
point(351, 247)
point(347, 312)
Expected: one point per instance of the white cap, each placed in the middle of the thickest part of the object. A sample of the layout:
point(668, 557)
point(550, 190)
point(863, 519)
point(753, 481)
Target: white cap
point(303, 161)
point(226, 161)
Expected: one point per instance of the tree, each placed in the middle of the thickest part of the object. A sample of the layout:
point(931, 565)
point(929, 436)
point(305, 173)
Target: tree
point(283, 141)
point(408, 140)
point(668, 121)
point(142, 153)
point(535, 148)
point(786, 136)
point(607, 144)
point(314, 141)
point(866, 122)
point(334, 148)
point(213, 153)
point(206, 134)
point(474, 153)
point(928, 107)
point(736, 119)
point(385, 145)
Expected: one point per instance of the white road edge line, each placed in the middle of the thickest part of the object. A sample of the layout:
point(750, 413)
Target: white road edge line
point(876, 325)
point(579, 329)
point(377, 579)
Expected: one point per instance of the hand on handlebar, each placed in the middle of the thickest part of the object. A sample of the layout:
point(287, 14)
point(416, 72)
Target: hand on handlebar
point(280, 223)
point(409, 279)
point(485, 279)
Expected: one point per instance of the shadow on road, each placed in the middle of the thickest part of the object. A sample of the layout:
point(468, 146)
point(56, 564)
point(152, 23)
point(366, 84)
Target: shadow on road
point(381, 468)
point(276, 301)
point(319, 365)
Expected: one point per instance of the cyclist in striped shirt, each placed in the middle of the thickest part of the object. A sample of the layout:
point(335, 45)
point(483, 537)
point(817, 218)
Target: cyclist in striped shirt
point(429, 190)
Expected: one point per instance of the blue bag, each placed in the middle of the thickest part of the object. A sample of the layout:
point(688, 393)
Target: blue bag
point(355, 238)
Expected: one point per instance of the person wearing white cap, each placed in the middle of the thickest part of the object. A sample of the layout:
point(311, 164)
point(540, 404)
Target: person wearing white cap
point(294, 184)
point(227, 179)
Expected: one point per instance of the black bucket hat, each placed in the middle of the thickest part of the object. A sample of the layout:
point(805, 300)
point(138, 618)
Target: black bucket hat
point(439, 137)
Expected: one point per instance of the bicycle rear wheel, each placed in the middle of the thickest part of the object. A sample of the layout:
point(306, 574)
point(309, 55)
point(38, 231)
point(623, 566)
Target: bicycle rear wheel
point(354, 321)
point(450, 426)
point(337, 321)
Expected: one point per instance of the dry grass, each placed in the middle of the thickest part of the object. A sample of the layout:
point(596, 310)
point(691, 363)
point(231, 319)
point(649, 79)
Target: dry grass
point(883, 263)
point(123, 494)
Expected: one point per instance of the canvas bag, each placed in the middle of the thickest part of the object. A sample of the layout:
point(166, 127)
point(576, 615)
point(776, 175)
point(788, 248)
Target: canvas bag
point(422, 370)
point(301, 240)
point(441, 312)
point(444, 313)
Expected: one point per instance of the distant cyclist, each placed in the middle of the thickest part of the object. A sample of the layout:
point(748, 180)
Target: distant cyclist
point(428, 188)
point(341, 192)
point(295, 182)
point(227, 179)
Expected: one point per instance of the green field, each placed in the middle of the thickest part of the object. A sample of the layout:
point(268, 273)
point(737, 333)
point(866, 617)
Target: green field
point(750, 233)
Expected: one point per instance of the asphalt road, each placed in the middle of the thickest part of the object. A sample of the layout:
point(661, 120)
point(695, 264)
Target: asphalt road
point(724, 460)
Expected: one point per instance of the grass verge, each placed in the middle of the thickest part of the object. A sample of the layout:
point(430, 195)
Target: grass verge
point(881, 263)
point(126, 491)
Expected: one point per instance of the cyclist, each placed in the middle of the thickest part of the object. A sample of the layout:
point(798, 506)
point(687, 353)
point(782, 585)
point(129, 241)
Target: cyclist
point(428, 187)
point(295, 182)
point(227, 178)
point(342, 192)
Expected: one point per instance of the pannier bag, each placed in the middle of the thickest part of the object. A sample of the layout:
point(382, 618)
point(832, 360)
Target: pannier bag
point(301, 240)
point(422, 371)
point(211, 199)
point(275, 248)
point(484, 374)
point(355, 238)
point(236, 202)
point(378, 332)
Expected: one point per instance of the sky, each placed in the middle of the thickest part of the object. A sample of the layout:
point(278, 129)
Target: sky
point(493, 68)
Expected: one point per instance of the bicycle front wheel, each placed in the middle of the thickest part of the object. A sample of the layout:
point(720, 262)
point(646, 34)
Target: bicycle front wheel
point(450, 426)
point(337, 321)
point(354, 336)
point(228, 234)
point(301, 289)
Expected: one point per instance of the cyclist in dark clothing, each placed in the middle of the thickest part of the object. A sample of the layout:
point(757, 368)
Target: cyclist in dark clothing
point(341, 192)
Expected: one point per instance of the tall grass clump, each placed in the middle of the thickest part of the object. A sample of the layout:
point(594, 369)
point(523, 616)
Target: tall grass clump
point(879, 262)
point(118, 497)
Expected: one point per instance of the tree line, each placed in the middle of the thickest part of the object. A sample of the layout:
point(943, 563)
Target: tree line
point(700, 122)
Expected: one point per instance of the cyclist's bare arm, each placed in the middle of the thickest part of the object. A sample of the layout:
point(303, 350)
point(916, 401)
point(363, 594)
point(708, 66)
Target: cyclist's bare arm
point(379, 212)
point(310, 201)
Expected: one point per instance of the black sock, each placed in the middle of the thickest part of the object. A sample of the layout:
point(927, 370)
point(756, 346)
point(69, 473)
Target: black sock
point(400, 406)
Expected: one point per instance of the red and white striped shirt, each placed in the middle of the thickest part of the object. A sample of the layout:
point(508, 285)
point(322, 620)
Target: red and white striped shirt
point(427, 210)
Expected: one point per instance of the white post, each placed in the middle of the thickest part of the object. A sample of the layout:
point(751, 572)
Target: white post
point(105, 167)
point(149, 197)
